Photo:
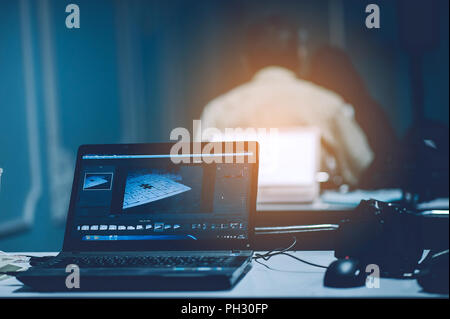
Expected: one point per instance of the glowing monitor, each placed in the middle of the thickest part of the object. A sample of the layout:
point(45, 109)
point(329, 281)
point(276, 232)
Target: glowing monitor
point(289, 162)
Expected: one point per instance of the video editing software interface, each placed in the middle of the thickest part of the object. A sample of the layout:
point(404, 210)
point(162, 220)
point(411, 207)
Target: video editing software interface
point(148, 197)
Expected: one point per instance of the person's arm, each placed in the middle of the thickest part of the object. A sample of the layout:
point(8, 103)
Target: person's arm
point(354, 152)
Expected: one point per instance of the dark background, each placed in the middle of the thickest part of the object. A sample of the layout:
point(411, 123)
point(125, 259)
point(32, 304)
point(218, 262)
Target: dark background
point(137, 69)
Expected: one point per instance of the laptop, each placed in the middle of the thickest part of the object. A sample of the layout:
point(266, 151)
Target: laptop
point(289, 162)
point(163, 216)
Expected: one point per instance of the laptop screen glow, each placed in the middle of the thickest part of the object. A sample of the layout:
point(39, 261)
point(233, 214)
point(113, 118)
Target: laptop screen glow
point(288, 157)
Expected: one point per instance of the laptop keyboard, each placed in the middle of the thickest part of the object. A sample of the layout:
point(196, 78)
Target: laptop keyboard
point(141, 261)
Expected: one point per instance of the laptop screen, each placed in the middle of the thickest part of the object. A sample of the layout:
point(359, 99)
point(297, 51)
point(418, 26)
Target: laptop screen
point(145, 197)
point(289, 158)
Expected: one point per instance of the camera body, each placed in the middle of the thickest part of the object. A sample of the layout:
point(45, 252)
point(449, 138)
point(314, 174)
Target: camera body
point(380, 233)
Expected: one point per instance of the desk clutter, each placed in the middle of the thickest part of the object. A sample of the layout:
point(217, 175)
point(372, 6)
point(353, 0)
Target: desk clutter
point(10, 263)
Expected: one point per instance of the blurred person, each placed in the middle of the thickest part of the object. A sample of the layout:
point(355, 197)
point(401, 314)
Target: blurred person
point(276, 98)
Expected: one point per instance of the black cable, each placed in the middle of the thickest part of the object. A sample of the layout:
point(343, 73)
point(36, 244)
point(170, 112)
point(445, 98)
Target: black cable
point(305, 261)
point(281, 270)
point(267, 266)
point(274, 252)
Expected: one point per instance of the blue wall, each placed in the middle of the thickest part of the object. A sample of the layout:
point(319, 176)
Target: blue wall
point(137, 69)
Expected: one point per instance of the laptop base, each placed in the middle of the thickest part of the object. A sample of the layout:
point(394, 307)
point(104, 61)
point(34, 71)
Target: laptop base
point(43, 281)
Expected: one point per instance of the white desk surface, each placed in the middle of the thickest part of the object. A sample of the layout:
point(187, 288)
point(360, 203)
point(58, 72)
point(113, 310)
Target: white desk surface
point(296, 280)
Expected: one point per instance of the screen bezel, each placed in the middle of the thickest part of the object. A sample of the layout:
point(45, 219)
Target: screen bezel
point(157, 245)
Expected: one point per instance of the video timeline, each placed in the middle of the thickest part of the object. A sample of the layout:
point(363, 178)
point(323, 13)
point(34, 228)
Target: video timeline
point(140, 231)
